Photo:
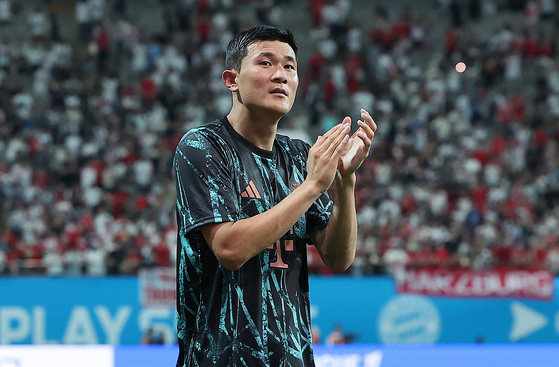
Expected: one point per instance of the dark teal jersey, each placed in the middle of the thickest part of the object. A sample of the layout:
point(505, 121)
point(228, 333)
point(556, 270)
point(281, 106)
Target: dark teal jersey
point(258, 315)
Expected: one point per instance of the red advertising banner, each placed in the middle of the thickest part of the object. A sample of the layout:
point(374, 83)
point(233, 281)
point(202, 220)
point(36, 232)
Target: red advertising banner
point(157, 287)
point(538, 284)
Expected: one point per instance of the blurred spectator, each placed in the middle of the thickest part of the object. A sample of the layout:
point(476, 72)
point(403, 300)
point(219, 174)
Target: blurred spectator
point(395, 257)
point(336, 336)
point(38, 24)
point(152, 337)
point(5, 11)
point(316, 336)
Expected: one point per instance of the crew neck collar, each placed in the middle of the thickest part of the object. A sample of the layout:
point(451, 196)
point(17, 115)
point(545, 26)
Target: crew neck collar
point(261, 152)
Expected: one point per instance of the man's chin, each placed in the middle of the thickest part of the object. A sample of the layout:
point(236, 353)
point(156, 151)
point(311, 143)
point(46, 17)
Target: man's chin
point(283, 109)
point(279, 110)
point(275, 110)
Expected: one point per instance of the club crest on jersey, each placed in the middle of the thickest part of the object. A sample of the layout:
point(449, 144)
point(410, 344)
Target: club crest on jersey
point(294, 185)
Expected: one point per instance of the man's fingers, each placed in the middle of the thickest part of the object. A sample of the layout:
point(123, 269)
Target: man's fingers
point(368, 124)
point(338, 139)
point(333, 130)
point(343, 147)
point(365, 130)
point(324, 141)
point(367, 141)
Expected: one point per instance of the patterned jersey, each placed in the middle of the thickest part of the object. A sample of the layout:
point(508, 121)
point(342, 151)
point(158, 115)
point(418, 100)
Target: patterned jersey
point(258, 315)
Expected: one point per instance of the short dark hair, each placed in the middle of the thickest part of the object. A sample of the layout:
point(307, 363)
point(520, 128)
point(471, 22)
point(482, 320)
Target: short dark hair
point(237, 48)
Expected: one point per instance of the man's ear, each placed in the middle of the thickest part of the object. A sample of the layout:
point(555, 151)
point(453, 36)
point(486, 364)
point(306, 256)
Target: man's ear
point(229, 78)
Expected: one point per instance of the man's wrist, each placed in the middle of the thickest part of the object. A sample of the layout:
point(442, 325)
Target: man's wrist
point(312, 188)
point(345, 182)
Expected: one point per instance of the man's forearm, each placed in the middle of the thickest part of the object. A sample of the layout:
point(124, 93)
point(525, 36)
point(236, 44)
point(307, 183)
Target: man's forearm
point(234, 243)
point(337, 243)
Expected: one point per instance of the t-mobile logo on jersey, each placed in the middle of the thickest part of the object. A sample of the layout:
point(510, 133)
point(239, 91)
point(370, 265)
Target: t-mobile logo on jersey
point(288, 245)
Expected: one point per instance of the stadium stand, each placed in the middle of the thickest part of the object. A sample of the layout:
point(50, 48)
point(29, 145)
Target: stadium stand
point(94, 95)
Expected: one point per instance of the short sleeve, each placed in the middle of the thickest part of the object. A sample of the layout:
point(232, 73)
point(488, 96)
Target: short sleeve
point(319, 213)
point(204, 181)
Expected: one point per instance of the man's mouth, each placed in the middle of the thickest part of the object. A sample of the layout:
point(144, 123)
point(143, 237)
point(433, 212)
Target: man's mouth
point(279, 91)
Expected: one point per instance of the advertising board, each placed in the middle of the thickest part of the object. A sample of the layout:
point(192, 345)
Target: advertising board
point(112, 311)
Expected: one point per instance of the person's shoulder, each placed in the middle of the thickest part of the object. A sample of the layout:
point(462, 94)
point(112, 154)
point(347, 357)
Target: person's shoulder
point(206, 129)
point(293, 143)
point(209, 131)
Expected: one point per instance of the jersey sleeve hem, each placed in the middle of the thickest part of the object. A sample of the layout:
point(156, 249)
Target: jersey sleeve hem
point(204, 221)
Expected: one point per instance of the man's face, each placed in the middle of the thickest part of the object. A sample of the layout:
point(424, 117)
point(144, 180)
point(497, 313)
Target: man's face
point(268, 78)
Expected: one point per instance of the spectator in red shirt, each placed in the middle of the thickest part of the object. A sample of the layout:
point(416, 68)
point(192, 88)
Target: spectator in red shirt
point(330, 93)
point(119, 199)
point(451, 41)
point(316, 64)
point(479, 197)
point(102, 40)
point(408, 205)
point(521, 256)
point(204, 27)
point(148, 89)
point(440, 255)
point(315, 9)
point(529, 46)
point(498, 145)
point(518, 107)
point(161, 254)
point(401, 30)
point(501, 256)
point(545, 46)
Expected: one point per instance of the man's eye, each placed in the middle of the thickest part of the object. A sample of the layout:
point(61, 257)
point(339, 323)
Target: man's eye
point(267, 63)
point(290, 67)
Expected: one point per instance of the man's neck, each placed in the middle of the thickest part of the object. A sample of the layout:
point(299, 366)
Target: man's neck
point(259, 130)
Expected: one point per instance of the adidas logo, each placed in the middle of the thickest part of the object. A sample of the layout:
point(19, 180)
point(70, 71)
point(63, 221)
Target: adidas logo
point(251, 191)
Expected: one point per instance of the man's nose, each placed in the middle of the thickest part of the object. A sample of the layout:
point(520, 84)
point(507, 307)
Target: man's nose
point(279, 75)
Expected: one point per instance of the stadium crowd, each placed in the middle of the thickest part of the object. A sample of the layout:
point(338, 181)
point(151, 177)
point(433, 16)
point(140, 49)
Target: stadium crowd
point(464, 171)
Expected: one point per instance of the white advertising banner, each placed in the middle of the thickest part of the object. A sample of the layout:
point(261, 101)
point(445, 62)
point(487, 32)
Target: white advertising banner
point(57, 356)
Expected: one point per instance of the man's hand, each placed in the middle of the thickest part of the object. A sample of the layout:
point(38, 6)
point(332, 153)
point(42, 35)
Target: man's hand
point(359, 145)
point(337, 242)
point(325, 154)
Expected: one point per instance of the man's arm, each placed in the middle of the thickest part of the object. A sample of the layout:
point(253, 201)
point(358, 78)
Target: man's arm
point(234, 243)
point(336, 243)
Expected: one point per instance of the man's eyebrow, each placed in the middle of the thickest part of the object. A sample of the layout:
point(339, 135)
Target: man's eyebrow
point(271, 54)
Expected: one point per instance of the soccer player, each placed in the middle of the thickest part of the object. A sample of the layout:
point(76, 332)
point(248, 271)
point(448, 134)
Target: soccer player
point(248, 202)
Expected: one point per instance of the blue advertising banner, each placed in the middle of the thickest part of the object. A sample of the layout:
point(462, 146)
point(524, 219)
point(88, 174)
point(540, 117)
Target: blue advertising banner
point(447, 355)
point(114, 311)
point(371, 310)
point(364, 355)
point(78, 311)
